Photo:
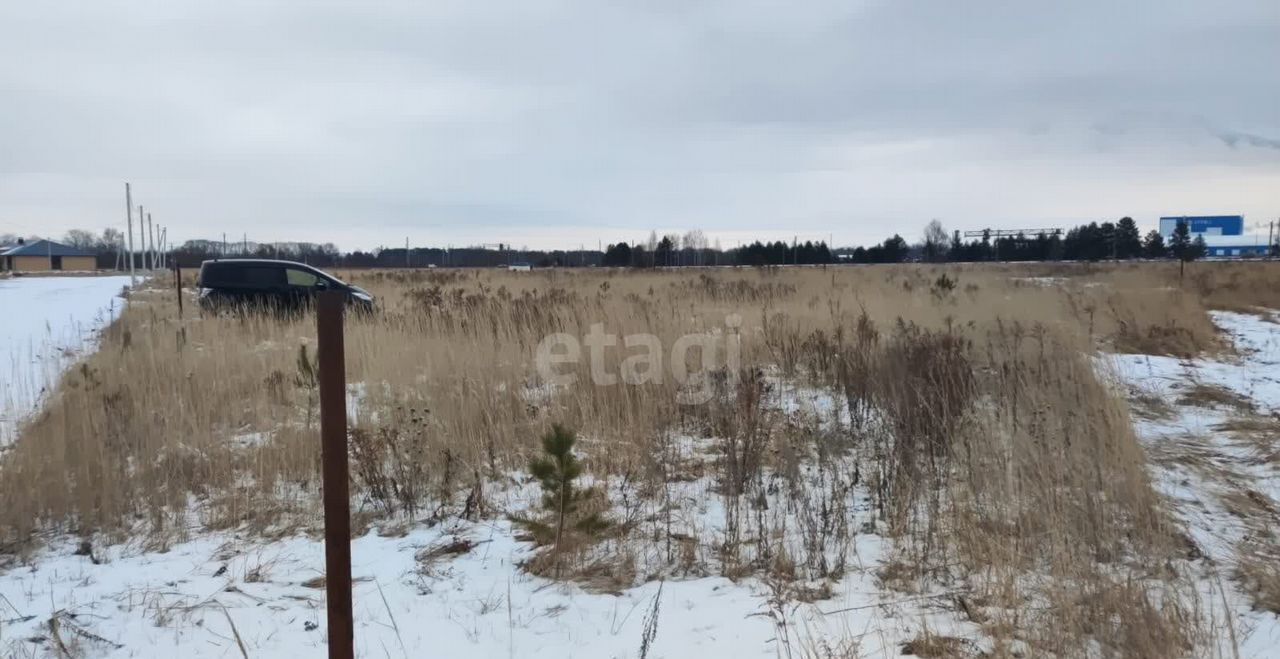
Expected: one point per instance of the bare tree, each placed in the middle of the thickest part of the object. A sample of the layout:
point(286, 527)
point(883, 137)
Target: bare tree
point(111, 239)
point(81, 239)
point(695, 241)
point(935, 241)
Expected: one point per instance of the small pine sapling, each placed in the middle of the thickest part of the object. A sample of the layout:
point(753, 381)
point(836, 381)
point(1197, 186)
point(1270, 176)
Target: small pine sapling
point(556, 470)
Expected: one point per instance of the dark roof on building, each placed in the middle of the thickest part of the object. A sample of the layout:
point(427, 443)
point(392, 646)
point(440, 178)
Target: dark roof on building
point(45, 248)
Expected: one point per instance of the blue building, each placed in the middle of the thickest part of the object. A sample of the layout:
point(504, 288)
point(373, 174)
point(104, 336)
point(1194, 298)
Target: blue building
point(1223, 235)
point(1204, 225)
point(1236, 246)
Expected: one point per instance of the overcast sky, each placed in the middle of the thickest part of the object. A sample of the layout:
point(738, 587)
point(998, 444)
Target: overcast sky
point(563, 122)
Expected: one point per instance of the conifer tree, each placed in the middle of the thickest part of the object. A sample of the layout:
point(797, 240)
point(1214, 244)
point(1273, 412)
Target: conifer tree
point(556, 470)
point(1199, 249)
point(1181, 247)
point(1180, 243)
point(1128, 242)
point(1153, 245)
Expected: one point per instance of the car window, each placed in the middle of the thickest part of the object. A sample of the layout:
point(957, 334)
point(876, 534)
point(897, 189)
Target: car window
point(262, 275)
point(301, 278)
point(219, 275)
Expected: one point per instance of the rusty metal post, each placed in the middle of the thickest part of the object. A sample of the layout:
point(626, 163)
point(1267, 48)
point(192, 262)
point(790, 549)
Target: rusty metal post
point(333, 453)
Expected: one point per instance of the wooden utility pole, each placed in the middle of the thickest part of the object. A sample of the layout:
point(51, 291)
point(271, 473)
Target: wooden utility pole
point(142, 236)
point(151, 236)
point(128, 209)
point(333, 455)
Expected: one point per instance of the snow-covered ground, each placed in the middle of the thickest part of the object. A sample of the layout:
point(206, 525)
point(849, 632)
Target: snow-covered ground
point(453, 589)
point(195, 599)
point(47, 322)
point(1224, 485)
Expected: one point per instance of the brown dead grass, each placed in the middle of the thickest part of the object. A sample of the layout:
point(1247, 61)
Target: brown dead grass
point(1209, 395)
point(1261, 432)
point(1242, 287)
point(1259, 572)
point(928, 646)
point(1151, 407)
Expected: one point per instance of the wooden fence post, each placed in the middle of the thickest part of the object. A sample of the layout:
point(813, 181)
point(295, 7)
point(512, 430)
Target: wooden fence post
point(333, 451)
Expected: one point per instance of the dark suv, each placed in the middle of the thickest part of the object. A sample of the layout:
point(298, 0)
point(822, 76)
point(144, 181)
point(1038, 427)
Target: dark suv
point(269, 284)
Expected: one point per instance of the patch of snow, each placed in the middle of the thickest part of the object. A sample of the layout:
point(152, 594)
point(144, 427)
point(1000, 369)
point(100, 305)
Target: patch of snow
point(1041, 281)
point(122, 602)
point(251, 439)
point(1254, 375)
point(49, 322)
point(812, 402)
point(357, 392)
point(1258, 337)
point(1195, 462)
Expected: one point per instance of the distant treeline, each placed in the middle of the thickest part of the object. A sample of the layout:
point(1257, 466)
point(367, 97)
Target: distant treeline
point(1087, 242)
point(325, 255)
point(668, 253)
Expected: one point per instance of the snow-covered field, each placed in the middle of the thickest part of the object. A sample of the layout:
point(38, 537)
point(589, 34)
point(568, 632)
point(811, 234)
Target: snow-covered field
point(458, 589)
point(452, 589)
point(195, 599)
point(47, 322)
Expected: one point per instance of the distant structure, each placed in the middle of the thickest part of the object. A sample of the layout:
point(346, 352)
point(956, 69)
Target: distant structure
point(1236, 246)
point(45, 256)
point(1011, 233)
point(1204, 225)
point(1223, 234)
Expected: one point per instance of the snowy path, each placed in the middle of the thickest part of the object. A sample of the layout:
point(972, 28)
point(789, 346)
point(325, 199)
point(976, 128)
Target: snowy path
point(1214, 451)
point(47, 322)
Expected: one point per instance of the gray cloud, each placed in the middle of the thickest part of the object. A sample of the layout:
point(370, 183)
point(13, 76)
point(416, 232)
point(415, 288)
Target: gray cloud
point(567, 121)
point(1236, 139)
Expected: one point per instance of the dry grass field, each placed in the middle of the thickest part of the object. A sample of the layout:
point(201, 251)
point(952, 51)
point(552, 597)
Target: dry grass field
point(957, 411)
